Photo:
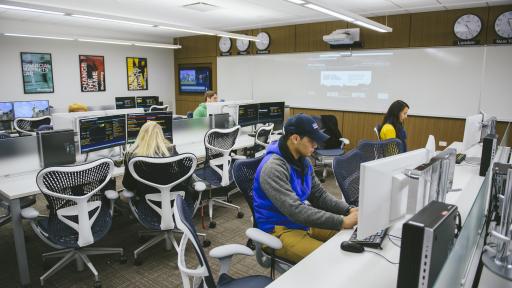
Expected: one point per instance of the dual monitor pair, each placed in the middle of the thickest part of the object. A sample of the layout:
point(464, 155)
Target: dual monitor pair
point(261, 113)
point(137, 102)
point(98, 133)
point(22, 109)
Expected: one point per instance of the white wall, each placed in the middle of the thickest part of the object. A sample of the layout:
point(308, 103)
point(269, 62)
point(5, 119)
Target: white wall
point(66, 73)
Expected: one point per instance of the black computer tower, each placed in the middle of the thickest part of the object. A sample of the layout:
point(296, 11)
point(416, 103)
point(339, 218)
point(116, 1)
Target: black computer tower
point(57, 147)
point(489, 147)
point(427, 239)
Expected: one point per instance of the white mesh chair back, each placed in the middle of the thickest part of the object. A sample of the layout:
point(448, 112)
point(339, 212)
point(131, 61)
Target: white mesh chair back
point(30, 125)
point(74, 195)
point(179, 169)
point(156, 108)
point(218, 144)
point(263, 135)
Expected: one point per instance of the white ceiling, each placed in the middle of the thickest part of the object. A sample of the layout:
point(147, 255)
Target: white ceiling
point(229, 15)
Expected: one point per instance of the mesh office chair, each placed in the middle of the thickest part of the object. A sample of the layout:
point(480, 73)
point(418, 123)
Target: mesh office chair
point(261, 140)
point(347, 167)
point(80, 213)
point(202, 275)
point(215, 172)
point(156, 108)
point(152, 206)
point(244, 172)
point(326, 152)
point(29, 126)
point(376, 129)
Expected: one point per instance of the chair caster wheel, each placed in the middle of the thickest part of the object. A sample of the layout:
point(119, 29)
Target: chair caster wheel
point(240, 214)
point(206, 243)
point(250, 244)
point(212, 224)
point(97, 284)
point(137, 262)
point(123, 260)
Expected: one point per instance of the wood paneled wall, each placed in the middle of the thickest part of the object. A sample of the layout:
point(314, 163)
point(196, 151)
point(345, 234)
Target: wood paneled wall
point(409, 30)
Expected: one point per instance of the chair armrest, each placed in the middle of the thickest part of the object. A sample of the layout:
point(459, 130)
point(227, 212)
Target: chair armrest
point(345, 140)
point(230, 250)
point(29, 213)
point(127, 193)
point(264, 238)
point(226, 252)
point(111, 194)
point(238, 157)
point(199, 186)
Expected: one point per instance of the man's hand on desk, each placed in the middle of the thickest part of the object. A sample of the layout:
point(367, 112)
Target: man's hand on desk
point(350, 220)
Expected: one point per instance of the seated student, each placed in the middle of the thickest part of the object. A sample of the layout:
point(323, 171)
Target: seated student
point(151, 143)
point(77, 107)
point(289, 201)
point(392, 125)
point(209, 97)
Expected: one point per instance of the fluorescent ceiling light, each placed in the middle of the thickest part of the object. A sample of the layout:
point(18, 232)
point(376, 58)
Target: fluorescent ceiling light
point(300, 2)
point(239, 36)
point(186, 30)
point(104, 41)
point(329, 12)
point(369, 26)
point(37, 36)
point(111, 20)
point(157, 45)
point(30, 9)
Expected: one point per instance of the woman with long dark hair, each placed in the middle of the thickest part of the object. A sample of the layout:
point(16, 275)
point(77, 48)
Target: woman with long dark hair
point(392, 125)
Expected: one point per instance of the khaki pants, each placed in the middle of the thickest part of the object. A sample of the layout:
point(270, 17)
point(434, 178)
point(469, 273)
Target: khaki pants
point(298, 244)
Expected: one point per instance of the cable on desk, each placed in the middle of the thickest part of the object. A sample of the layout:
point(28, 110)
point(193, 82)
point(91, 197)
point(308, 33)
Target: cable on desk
point(399, 238)
point(393, 242)
point(383, 257)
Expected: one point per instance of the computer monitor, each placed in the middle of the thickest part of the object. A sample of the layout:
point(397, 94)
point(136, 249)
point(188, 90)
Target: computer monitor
point(103, 132)
point(472, 132)
point(6, 111)
point(31, 109)
point(383, 190)
point(125, 102)
point(135, 121)
point(248, 115)
point(146, 101)
point(272, 112)
point(488, 126)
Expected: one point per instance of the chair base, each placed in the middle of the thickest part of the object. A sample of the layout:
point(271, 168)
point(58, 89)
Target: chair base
point(80, 256)
point(222, 203)
point(167, 236)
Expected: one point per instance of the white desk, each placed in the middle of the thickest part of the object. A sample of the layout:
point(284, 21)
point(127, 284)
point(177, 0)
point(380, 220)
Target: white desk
point(329, 266)
point(17, 186)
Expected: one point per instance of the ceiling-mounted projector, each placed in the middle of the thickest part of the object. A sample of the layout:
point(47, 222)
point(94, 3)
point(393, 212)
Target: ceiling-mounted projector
point(342, 37)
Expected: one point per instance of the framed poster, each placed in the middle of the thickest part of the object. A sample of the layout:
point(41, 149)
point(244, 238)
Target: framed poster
point(36, 69)
point(92, 73)
point(137, 73)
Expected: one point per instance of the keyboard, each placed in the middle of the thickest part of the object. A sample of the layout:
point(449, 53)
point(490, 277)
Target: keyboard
point(372, 241)
point(459, 158)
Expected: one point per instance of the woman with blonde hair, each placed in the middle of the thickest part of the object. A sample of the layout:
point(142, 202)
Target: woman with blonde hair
point(151, 143)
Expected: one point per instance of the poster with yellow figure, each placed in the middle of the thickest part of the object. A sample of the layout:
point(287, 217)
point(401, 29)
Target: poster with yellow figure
point(137, 71)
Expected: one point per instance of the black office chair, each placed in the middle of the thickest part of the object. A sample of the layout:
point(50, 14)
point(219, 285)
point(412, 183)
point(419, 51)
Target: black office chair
point(80, 213)
point(202, 275)
point(334, 146)
point(347, 167)
point(152, 206)
point(156, 108)
point(216, 170)
point(29, 126)
point(244, 172)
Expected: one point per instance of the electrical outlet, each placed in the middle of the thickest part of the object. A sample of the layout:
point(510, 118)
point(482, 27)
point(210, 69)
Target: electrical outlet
point(442, 144)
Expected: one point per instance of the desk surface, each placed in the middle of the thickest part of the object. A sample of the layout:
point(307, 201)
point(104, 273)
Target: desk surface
point(329, 266)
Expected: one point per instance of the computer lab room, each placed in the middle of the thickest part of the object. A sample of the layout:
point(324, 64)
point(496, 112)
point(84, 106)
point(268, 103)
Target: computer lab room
point(256, 143)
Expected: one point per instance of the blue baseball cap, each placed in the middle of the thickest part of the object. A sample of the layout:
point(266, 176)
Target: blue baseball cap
point(305, 125)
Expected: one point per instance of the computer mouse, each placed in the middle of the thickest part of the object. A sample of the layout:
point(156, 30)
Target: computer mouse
point(351, 247)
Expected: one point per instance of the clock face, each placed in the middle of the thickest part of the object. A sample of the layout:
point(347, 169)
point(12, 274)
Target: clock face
point(503, 25)
point(467, 27)
point(242, 45)
point(264, 41)
point(224, 44)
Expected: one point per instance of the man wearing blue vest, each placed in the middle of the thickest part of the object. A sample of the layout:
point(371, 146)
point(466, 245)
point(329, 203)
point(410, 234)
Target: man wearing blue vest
point(289, 201)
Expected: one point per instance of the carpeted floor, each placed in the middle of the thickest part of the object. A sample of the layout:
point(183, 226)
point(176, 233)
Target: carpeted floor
point(159, 268)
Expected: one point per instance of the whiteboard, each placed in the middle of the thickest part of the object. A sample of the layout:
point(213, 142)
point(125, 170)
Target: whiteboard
point(442, 82)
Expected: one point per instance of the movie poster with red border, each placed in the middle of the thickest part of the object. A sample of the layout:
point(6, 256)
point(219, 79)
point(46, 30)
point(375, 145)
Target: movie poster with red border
point(92, 73)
